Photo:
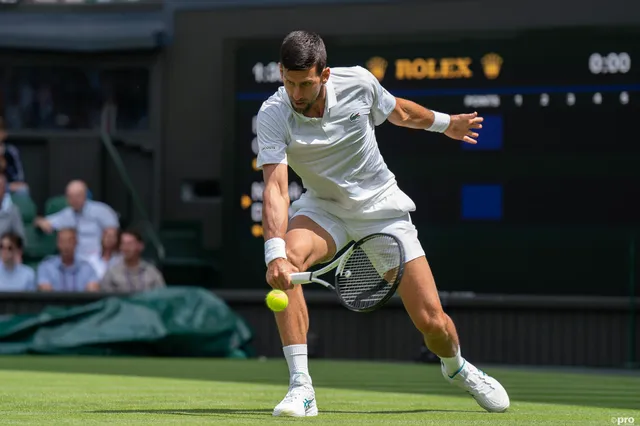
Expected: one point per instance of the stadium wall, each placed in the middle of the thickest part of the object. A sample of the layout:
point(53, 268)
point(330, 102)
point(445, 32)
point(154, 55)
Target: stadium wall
point(562, 331)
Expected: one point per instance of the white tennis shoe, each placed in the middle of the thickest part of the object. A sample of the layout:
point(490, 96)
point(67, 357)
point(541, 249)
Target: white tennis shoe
point(300, 401)
point(486, 390)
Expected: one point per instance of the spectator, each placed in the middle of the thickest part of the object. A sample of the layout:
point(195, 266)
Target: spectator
point(10, 219)
point(66, 272)
point(10, 163)
point(110, 250)
point(132, 274)
point(90, 219)
point(14, 276)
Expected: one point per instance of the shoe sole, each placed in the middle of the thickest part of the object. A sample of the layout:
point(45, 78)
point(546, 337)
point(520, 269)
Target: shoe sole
point(492, 410)
point(284, 413)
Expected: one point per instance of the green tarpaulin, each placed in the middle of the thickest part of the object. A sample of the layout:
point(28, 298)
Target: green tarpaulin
point(174, 321)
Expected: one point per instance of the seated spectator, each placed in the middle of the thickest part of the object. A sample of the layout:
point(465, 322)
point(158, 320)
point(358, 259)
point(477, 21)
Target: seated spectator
point(90, 219)
point(10, 219)
point(14, 276)
point(66, 272)
point(132, 274)
point(10, 163)
point(110, 250)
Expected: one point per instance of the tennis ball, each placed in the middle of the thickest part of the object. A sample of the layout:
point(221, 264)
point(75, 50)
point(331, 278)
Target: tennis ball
point(277, 300)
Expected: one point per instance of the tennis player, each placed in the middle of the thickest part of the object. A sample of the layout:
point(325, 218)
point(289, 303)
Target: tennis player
point(321, 123)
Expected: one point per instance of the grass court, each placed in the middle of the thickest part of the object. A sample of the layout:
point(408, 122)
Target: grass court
point(39, 390)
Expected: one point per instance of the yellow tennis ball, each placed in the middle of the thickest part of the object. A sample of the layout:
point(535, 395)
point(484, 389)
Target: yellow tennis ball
point(277, 300)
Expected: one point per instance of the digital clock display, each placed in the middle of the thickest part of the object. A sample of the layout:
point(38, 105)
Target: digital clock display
point(611, 63)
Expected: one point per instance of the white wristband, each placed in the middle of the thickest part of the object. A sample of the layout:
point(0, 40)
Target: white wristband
point(273, 249)
point(440, 122)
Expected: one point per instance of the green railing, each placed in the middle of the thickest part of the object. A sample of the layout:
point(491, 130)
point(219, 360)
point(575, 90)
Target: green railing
point(133, 194)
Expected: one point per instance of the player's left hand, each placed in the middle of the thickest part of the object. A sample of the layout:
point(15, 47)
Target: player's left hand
point(462, 125)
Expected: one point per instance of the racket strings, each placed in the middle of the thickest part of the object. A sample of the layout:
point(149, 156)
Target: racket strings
point(370, 272)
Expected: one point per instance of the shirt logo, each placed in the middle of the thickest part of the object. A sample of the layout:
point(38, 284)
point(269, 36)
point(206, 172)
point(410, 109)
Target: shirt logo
point(353, 117)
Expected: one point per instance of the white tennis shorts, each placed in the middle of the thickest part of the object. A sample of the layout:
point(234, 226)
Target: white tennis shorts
point(390, 215)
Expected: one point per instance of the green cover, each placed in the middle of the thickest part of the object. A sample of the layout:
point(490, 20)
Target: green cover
point(173, 321)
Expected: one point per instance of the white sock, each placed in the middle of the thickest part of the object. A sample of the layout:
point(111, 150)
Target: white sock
point(297, 360)
point(452, 365)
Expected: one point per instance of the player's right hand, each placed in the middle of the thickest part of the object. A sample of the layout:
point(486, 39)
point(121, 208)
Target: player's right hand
point(279, 274)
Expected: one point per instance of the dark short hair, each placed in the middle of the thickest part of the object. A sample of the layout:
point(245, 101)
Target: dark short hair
point(134, 233)
point(302, 50)
point(15, 239)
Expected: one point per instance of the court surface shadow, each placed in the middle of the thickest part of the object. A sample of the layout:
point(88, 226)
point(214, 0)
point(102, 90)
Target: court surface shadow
point(590, 388)
point(265, 412)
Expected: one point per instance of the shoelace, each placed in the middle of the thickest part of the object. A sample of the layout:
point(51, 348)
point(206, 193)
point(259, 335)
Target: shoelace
point(294, 393)
point(479, 382)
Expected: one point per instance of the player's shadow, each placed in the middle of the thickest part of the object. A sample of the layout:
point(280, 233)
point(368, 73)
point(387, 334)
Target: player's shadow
point(266, 412)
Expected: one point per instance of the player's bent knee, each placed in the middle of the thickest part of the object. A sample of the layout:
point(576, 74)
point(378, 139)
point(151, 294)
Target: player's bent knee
point(298, 254)
point(432, 323)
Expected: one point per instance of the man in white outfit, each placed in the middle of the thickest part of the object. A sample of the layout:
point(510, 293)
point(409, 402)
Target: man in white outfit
point(322, 124)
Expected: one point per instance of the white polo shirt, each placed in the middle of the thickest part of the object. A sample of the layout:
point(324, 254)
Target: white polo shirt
point(337, 155)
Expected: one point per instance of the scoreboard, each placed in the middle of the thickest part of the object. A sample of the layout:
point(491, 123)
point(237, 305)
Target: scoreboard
point(559, 147)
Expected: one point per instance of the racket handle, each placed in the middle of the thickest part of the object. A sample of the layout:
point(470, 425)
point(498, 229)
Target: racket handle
point(300, 278)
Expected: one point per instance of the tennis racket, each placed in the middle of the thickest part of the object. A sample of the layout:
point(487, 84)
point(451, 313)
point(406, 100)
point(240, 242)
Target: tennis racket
point(367, 273)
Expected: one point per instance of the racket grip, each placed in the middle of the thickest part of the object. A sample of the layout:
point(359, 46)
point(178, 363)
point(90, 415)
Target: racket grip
point(300, 278)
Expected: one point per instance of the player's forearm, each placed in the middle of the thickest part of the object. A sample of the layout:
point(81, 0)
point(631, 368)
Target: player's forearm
point(275, 212)
point(411, 115)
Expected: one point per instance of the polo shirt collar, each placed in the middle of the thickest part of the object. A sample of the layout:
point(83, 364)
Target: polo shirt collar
point(331, 95)
point(62, 267)
point(330, 101)
point(140, 267)
point(83, 210)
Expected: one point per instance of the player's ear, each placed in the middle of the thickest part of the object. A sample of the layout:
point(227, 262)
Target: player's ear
point(324, 76)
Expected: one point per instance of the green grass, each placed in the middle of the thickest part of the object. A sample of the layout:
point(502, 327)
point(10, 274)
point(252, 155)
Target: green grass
point(87, 390)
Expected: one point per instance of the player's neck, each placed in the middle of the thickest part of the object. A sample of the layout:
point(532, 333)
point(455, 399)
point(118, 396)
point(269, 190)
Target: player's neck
point(317, 109)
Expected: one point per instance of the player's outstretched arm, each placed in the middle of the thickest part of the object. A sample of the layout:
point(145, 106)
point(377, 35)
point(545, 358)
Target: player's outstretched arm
point(275, 206)
point(275, 218)
point(460, 127)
